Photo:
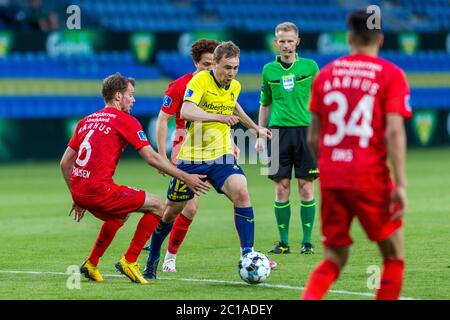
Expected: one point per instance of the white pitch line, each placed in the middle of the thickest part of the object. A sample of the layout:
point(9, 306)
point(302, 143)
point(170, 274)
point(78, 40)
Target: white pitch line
point(266, 285)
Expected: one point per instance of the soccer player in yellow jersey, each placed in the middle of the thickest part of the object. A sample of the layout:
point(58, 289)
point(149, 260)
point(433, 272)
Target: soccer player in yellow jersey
point(210, 105)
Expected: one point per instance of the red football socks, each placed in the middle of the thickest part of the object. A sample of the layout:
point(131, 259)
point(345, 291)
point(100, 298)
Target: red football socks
point(391, 280)
point(179, 230)
point(321, 280)
point(104, 239)
point(144, 230)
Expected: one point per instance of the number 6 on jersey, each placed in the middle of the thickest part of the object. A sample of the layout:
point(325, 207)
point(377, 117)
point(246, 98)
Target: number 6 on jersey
point(85, 145)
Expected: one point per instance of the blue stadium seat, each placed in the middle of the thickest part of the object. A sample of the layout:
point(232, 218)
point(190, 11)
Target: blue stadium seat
point(40, 65)
point(319, 15)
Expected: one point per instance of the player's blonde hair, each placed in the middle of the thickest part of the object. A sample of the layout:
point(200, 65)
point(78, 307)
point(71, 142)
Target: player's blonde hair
point(226, 49)
point(286, 26)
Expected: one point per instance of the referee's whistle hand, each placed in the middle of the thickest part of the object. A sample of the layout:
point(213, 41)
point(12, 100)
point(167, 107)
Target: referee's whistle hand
point(260, 145)
point(264, 133)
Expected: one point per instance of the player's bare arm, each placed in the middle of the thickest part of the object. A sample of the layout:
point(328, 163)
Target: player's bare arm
point(191, 112)
point(248, 123)
point(193, 181)
point(263, 120)
point(396, 147)
point(313, 138)
point(161, 133)
point(66, 165)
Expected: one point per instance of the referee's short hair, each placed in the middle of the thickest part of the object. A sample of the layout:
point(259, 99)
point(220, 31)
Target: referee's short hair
point(286, 26)
point(226, 50)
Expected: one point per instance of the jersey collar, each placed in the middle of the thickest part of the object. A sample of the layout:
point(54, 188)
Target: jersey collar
point(217, 82)
point(278, 60)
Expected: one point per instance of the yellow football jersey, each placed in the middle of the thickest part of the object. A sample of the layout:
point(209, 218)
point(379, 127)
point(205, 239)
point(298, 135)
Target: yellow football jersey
point(209, 140)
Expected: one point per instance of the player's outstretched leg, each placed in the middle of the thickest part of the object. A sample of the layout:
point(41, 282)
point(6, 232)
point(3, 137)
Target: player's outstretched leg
point(171, 211)
point(178, 233)
point(91, 271)
point(105, 236)
point(393, 267)
point(127, 265)
point(326, 273)
point(235, 187)
point(158, 237)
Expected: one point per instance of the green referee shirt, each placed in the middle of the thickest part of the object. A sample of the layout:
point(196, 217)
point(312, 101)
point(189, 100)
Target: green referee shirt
point(288, 91)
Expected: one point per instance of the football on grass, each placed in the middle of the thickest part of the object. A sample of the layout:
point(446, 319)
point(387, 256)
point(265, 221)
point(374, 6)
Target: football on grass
point(254, 267)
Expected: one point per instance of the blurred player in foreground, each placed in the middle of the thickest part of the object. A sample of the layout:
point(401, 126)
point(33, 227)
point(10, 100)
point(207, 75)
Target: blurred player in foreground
point(359, 103)
point(202, 54)
point(210, 104)
point(89, 163)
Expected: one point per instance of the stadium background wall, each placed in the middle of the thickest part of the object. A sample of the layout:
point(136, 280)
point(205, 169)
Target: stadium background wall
point(43, 120)
point(46, 139)
point(101, 40)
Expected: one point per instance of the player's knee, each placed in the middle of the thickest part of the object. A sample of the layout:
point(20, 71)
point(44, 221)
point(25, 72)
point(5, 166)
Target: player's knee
point(241, 197)
point(172, 209)
point(338, 255)
point(306, 191)
point(190, 211)
point(120, 222)
point(392, 248)
point(170, 213)
point(282, 191)
point(158, 206)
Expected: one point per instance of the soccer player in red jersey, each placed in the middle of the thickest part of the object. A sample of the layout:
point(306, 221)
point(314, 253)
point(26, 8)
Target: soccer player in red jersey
point(88, 166)
point(202, 55)
point(359, 103)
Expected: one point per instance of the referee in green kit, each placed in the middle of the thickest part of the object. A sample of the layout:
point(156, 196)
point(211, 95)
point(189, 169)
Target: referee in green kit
point(285, 92)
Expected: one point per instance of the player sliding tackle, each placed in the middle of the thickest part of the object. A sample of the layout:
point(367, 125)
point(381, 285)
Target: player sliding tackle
point(88, 166)
point(210, 104)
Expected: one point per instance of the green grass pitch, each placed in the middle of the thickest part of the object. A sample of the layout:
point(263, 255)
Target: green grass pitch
point(39, 241)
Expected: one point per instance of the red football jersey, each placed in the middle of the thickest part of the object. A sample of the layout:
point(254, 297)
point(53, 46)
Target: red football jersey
point(352, 96)
point(100, 139)
point(173, 98)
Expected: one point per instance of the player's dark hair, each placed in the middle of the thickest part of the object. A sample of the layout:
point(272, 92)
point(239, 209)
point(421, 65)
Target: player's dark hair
point(360, 29)
point(226, 49)
point(202, 46)
point(115, 83)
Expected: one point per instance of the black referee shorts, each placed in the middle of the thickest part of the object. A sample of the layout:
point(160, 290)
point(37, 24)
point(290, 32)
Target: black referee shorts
point(288, 148)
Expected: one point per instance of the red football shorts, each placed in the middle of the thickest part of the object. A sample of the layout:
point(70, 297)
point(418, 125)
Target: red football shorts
point(180, 134)
point(117, 203)
point(371, 207)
